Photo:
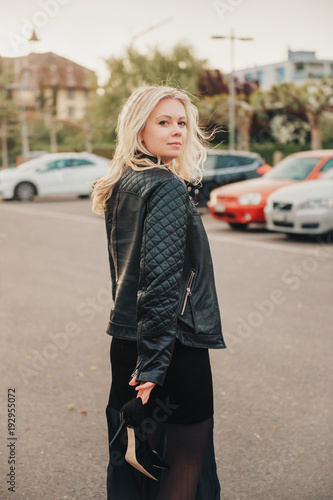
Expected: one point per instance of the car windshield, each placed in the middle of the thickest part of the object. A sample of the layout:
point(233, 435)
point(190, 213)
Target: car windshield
point(293, 168)
point(31, 163)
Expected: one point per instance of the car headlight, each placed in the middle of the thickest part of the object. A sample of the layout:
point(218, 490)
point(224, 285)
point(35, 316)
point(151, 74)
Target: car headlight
point(250, 199)
point(213, 199)
point(319, 203)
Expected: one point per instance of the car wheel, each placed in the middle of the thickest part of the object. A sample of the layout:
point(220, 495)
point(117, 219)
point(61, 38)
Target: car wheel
point(237, 226)
point(25, 191)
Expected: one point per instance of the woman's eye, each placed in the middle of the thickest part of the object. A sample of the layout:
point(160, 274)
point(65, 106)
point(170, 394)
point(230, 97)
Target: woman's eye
point(163, 122)
point(182, 124)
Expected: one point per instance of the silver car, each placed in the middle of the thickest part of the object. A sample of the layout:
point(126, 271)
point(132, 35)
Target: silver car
point(55, 174)
point(302, 208)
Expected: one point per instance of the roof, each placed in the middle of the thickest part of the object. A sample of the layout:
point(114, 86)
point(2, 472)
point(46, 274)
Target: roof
point(50, 69)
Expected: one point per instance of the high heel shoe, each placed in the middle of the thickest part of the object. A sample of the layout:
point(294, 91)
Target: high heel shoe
point(138, 453)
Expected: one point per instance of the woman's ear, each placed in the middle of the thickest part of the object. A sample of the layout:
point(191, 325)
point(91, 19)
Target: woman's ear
point(141, 136)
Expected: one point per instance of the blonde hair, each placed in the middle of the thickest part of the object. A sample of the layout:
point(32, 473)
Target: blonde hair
point(131, 123)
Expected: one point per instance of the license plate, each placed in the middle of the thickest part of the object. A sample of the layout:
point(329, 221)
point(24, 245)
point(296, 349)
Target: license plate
point(220, 208)
point(278, 216)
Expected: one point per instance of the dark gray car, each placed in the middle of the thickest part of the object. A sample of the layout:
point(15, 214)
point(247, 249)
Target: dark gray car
point(225, 167)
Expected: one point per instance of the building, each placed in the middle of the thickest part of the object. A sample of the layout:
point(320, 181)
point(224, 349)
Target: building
point(300, 67)
point(53, 80)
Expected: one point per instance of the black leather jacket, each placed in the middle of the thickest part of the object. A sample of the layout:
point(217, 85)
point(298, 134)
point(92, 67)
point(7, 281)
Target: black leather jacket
point(161, 270)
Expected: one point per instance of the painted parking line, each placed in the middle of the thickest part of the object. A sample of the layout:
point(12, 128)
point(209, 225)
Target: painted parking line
point(54, 215)
point(212, 237)
point(271, 246)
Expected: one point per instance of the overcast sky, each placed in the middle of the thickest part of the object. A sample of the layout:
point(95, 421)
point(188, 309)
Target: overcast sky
point(89, 31)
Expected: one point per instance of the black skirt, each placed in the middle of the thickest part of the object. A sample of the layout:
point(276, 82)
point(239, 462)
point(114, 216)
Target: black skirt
point(178, 425)
point(186, 396)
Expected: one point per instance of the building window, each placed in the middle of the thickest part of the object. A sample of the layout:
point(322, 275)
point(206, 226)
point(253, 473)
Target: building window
point(71, 111)
point(70, 76)
point(86, 79)
point(25, 76)
point(70, 93)
point(299, 66)
point(53, 75)
point(260, 77)
point(280, 74)
point(249, 77)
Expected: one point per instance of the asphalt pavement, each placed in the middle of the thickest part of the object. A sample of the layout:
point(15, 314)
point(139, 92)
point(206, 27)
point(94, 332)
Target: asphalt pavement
point(272, 385)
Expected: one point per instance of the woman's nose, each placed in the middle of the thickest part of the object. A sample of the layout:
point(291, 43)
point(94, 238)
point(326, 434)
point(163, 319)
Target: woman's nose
point(177, 130)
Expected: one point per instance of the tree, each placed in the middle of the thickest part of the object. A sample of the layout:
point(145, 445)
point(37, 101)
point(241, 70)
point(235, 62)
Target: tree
point(214, 107)
point(8, 111)
point(178, 68)
point(47, 100)
point(312, 98)
point(212, 83)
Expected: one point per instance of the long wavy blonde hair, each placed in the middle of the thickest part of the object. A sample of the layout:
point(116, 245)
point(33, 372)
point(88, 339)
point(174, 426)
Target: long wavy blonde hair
point(131, 123)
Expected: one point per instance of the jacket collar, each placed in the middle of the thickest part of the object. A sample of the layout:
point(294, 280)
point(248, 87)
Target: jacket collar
point(153, 159)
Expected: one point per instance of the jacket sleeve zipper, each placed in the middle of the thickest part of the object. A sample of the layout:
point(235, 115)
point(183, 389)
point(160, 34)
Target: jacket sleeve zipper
point(188, 292)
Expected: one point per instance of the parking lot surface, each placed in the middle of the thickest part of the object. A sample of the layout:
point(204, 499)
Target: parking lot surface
point(273, 384)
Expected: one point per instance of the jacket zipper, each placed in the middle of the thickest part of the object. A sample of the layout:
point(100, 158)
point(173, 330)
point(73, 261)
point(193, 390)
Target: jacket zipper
point(188, 291)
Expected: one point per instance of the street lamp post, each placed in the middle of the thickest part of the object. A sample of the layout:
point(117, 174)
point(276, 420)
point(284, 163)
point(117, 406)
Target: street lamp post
point(232, 39)
point(23, 120)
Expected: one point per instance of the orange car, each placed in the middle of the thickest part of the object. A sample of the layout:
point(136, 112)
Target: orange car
point(243, 202)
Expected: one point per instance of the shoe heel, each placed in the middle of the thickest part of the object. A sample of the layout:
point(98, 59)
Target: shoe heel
point(131, 456)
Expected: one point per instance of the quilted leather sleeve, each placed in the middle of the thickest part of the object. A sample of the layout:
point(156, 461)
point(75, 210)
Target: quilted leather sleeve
point(161, 267)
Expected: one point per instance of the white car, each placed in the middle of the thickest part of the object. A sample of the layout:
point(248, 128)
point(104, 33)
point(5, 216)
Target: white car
point(55, 174)
point(302, 208)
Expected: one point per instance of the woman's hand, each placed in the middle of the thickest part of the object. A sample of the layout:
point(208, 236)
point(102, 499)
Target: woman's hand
point(144, 389)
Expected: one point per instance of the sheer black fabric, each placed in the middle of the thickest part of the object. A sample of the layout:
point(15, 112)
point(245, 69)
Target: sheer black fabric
point(189, 451)
point(178, 424)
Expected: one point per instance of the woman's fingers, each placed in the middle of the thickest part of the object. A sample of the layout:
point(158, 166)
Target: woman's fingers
point(144, 395)
point(144, 390)
point(145, 385)
point(133, 381)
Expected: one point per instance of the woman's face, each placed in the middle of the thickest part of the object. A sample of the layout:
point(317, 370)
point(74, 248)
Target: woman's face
point(165, 132)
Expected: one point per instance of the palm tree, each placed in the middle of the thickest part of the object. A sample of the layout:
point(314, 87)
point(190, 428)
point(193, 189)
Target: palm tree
point(312, 98)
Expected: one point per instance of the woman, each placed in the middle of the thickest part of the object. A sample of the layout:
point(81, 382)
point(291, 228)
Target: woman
point(165, 313)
